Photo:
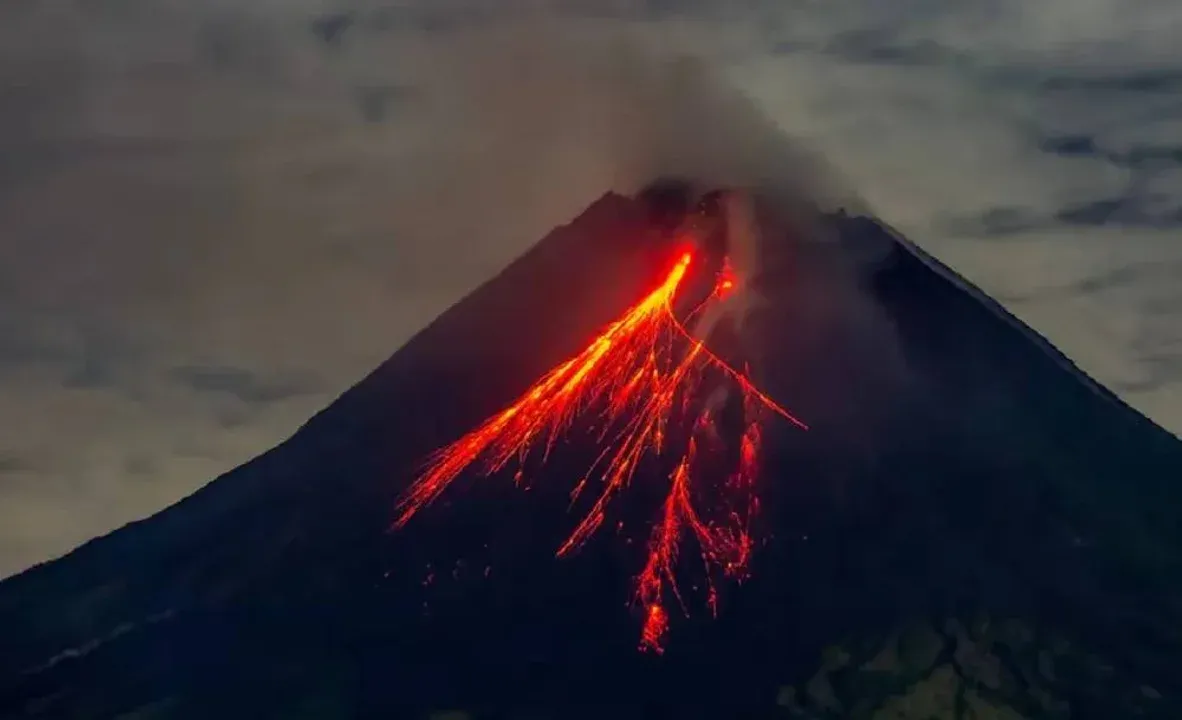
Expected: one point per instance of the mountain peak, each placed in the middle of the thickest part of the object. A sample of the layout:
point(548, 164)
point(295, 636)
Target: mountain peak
point(968, 516)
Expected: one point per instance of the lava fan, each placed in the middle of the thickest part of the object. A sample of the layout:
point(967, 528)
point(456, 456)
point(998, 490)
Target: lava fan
point(648, 390)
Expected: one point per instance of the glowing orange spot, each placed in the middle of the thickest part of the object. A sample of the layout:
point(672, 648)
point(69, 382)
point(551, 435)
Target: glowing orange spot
point(656, 624)
point(726, 279)
point(640, 381)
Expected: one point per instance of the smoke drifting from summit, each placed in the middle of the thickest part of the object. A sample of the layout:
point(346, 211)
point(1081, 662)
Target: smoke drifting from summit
point(555, 113)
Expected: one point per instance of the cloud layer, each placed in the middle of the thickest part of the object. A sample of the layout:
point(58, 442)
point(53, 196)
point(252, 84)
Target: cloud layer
point(217, 217)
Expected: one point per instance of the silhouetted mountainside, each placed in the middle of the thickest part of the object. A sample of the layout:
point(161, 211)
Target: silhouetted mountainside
point(971, 528)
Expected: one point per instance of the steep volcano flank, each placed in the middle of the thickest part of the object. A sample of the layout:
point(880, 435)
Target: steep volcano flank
point(970, 528)
point(960, 467)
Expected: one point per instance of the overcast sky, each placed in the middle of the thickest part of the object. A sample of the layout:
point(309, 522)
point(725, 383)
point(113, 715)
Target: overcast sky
point(216, 215)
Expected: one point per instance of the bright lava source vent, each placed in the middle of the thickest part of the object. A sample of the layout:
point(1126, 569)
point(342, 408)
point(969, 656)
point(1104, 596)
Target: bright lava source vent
point(652, 389)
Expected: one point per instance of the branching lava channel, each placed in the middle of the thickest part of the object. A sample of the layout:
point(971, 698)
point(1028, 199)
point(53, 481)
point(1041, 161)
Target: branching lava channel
point(645, 374)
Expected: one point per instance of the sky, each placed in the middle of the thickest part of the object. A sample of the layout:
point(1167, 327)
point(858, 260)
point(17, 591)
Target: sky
point(216, 216)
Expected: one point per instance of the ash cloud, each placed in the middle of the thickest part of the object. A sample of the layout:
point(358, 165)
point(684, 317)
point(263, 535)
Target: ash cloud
point(542, 116)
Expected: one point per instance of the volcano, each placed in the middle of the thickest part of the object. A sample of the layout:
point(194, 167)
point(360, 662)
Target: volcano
point(943, 517)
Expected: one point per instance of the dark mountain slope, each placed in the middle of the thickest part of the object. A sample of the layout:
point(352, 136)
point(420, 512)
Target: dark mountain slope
point(971, 528)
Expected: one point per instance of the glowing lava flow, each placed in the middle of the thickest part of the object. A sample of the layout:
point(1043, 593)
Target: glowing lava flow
point(635, 376)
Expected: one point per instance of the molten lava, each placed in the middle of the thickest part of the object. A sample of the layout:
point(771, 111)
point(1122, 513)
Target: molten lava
point(645, 375)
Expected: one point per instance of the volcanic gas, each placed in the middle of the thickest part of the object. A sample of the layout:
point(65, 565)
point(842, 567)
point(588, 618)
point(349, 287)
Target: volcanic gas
point(651, 388)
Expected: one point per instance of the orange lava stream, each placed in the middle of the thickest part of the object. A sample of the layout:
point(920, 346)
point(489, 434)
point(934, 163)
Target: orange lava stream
point(633, 376)
point(725, 546)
